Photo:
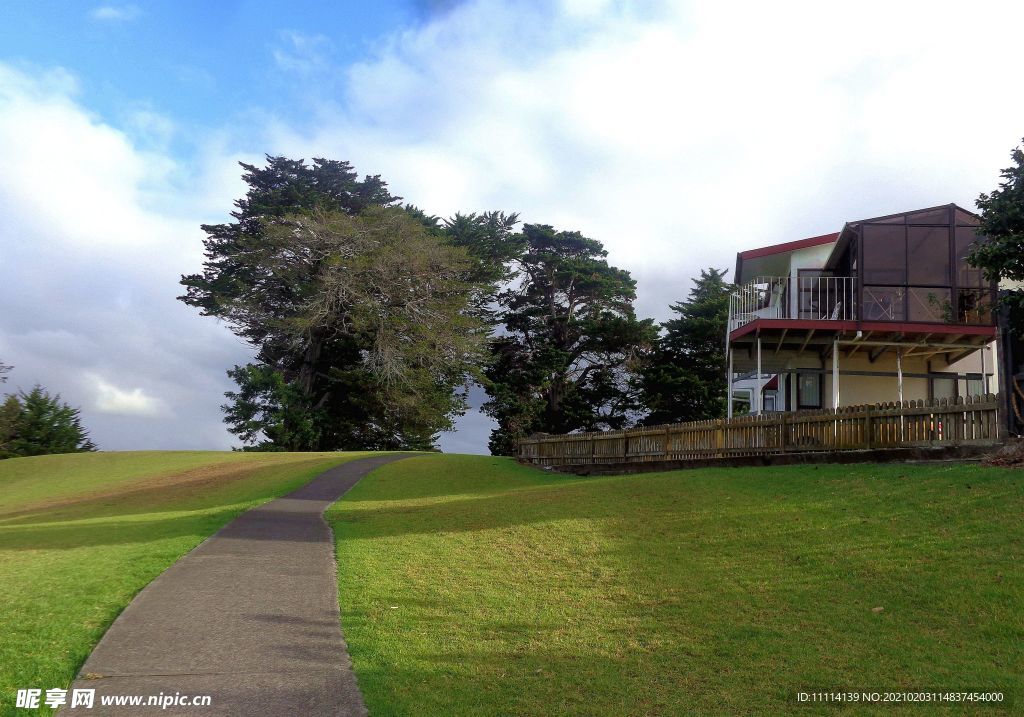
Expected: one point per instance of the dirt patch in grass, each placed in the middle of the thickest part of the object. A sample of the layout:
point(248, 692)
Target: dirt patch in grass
point(174, 490)
point(1009, 456)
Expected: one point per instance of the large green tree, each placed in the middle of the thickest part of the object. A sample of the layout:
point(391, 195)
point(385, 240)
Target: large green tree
point(365, 314)
point(568, 341)
point(493, 245)
point(683, 378)
point(1002, 222)
point(36, 423)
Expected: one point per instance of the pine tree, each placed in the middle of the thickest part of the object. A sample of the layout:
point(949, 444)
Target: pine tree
point(365, 314)
point(43, 424)
point(570, 339)
point(1001, 255)
point(684, 377)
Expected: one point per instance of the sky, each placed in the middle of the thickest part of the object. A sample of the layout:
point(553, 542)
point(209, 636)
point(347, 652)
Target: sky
point(676, 133)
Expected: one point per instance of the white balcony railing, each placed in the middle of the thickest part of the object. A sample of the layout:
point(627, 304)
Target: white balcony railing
point(815, 298)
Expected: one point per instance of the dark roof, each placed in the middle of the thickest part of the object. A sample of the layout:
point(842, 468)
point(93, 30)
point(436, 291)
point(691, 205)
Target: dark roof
point(780, 249)
point(847, 230)
point(841, 238)
point(788, 246)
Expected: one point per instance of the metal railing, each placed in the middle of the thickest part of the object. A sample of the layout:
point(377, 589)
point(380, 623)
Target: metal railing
point(816, 298)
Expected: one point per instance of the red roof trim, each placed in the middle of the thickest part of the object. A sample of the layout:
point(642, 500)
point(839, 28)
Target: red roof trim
point(788, 246)
point(907, 328)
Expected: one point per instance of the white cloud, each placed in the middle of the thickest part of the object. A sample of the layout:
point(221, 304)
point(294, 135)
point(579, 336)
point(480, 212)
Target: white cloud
point(111, 399)
point(679, 134)
point(95, 234)
point(115, 13)
point(299, 52)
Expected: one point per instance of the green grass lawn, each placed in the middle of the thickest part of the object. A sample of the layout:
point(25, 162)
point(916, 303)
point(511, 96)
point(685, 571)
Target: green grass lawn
point(475, 586)
point(81, 534)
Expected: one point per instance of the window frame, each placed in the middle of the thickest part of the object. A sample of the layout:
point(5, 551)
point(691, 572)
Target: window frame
point(800, 393)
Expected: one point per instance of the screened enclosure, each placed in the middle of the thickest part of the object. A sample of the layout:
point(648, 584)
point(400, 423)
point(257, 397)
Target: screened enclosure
point(913, 268)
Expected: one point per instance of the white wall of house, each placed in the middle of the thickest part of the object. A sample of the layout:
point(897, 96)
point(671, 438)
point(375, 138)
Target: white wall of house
point(857, 390)
point(813, 257)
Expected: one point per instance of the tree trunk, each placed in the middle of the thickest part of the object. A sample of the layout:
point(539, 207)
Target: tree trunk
point(308, 368)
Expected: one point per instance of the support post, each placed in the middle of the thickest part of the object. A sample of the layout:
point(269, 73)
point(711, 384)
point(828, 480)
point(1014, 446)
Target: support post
point(835, 374)
point(728, 381)
point(899, 374)
point(899, 387)
point(759, 387)
point(984, 374)
point(835, 388)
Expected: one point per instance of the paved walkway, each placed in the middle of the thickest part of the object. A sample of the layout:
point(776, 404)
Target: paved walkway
point(250, 617)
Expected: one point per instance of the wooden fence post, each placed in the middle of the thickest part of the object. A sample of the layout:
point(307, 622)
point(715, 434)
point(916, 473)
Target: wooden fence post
point(868, 428)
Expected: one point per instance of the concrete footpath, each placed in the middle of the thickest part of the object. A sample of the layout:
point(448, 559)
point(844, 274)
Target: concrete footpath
point(250, 618)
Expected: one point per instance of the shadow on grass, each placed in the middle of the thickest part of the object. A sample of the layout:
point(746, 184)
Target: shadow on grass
point(542, 682)
point(114, 532)
point(768, 498)
point(173, 494)
point(453, 479)
point(508, 508)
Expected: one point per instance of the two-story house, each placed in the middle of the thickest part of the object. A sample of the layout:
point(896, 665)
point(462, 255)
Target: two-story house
point(885, 310)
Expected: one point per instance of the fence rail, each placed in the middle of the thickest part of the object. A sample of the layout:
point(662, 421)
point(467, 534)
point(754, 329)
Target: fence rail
point(912, 424)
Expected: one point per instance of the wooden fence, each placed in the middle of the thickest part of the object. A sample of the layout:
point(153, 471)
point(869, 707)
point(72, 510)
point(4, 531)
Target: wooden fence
point(912, 424)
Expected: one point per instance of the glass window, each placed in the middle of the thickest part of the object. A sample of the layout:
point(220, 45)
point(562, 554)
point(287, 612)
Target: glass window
point(943, 388)
point(928, 255)
point(885, 254)
point(966, 275)
point(930, 303)
point(740, 403)
point(975, 386)
point(974, 306)
point(884, 303)
point(934, 216)
point(808, 390)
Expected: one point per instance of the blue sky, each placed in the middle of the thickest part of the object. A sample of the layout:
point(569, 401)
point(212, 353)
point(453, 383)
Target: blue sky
point(198, 61)
point(203, 64)
point(677, 133)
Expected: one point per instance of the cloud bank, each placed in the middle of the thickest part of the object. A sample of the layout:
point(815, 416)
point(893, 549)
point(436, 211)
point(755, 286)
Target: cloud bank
point(93, 242)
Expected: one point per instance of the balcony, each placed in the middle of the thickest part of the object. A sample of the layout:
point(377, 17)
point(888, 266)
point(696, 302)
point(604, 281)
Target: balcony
point(810, 298)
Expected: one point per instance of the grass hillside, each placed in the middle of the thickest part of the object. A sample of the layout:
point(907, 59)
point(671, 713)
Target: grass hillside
point(475, 586)
point(81, 534)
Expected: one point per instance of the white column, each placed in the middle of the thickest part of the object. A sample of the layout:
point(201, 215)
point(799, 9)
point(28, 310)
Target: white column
point(996, 366)
point(728, 381)
point(899, 386)
point(835, 374)
point(759, 386)
point(984, 375)
point(899, 373)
